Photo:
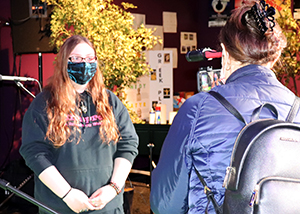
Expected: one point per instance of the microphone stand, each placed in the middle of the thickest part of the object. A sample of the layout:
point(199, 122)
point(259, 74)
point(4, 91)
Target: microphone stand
point(22, 86)
point(40, 68)
point(6, 186)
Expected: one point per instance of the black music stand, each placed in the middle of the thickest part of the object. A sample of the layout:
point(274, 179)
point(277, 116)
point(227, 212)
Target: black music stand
point(6, 186)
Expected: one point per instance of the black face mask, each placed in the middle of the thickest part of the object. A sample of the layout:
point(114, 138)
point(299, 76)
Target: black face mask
point(82, 72)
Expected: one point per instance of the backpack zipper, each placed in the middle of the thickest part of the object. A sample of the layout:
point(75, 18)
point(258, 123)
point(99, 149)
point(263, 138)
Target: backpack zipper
point(255, 194)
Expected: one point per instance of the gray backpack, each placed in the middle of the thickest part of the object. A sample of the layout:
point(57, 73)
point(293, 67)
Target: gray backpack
point(264, 172)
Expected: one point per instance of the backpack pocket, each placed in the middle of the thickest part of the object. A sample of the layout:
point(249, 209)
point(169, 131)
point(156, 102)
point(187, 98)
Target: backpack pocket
point(276, 195)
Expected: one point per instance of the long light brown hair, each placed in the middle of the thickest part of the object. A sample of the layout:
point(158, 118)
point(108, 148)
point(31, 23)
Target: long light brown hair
point(63, 98)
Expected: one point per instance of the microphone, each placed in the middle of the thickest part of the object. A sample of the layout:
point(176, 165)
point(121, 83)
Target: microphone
point(202, 54)
point(15, 78)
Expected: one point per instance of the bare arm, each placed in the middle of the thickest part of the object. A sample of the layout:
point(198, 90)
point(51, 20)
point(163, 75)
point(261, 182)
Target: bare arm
point(121, 170)
point(55, 181)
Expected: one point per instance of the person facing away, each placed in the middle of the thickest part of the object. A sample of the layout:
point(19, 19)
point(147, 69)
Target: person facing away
point(203, 132)
point(77, 137)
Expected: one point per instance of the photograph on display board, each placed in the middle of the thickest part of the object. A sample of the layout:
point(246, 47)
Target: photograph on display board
point(167, 93)
point(167, 58)
point(154, 104)
point(153, 74)
point(188, 42)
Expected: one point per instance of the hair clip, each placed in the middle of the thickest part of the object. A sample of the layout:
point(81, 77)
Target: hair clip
point(261, 12)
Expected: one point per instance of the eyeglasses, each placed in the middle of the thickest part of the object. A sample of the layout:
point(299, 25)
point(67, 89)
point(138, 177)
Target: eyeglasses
point(80, 59)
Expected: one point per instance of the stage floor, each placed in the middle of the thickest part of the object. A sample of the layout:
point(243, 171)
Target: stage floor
point(141, 195)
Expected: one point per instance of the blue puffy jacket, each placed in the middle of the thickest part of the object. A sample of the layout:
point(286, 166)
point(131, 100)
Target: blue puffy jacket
point(203, 133)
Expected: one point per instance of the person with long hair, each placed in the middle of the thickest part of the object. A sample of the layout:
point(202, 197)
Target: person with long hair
point(203, 132)
point(77, 136)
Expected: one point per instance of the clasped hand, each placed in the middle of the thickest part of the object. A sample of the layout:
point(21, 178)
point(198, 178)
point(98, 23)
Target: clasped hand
point(102, 196)
point(79, 202)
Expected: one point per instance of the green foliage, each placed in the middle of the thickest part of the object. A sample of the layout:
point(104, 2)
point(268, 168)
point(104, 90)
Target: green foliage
point(288, 67)
point(119, 47)
point(109, 27)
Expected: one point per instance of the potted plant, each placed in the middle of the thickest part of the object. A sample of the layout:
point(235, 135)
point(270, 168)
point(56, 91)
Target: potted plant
point(288, 67)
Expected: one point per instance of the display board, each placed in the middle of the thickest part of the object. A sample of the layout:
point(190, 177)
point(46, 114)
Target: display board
point(155, 88)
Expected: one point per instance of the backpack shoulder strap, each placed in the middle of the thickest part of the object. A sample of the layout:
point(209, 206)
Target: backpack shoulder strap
point(294, 110)
point(209, 195)
point(227, 105)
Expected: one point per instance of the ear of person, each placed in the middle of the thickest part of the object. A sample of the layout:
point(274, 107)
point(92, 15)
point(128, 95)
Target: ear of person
point(230, 64)
point(226, 62)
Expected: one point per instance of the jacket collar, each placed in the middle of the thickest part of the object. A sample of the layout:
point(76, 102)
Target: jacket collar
point(250, 70)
